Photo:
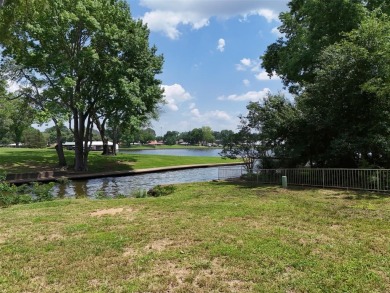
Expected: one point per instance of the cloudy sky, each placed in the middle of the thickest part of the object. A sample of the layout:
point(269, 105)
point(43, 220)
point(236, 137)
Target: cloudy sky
point(211, 50)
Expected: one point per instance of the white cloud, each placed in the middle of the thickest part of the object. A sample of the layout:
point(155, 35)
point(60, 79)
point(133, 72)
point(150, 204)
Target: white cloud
point(219, 115)
point(246, 61)
point(244, 64)
point(252, 96)
point(254, 65)
point(195, 113)
point(174, 95)
point(246, 82)
point(269, 14)
point(166, 16)
point(210, 115)
point(264, 76)
point(167, 22)
point(249, 64)
point(221, 45)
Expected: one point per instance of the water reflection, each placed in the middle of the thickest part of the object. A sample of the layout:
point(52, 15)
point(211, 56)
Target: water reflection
point(127, 185)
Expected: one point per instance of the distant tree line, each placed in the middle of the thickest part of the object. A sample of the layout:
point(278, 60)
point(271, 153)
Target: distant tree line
point(197, 136)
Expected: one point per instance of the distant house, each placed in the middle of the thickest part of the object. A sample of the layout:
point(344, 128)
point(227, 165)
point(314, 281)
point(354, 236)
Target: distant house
point(95, 146)
point(155, 142)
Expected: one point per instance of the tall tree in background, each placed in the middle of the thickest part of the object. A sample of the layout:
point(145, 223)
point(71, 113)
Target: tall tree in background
point(83, 54)
point(245, 144)
point(335, 58)
point(22, 115)
point(308, 28)
point(171, 137)
point(347, 104)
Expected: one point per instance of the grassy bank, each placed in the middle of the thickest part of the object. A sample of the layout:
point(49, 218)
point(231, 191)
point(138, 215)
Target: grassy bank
point(164, 147)
point(205, 237)
point(21, 160)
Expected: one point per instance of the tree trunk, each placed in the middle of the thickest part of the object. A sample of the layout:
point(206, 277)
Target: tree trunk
point(101, 126)
point(114, 139)
point(79, 136)
point(59, 147)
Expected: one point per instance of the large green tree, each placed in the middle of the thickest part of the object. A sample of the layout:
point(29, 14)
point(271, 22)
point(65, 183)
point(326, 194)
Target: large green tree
point(334, 57)
point(346, 106)
point(309, 27)
point(171, 137)
point(82, 55)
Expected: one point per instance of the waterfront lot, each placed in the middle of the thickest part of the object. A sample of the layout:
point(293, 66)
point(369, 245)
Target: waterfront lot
point(205, 237)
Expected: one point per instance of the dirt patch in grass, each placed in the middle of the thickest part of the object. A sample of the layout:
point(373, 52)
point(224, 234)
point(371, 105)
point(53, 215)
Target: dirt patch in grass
point(160, 245)
point(110, 212)
point(51, 237)
point(129, 252)
point(128, 212)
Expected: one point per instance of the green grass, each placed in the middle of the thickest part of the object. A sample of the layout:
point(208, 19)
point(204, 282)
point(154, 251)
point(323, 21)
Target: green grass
point(162, 147)
point(19, 160)
point(205, 237)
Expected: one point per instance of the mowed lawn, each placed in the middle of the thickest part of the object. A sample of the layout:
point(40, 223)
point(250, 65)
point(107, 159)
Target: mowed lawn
point(205, 237)
point(22, 160)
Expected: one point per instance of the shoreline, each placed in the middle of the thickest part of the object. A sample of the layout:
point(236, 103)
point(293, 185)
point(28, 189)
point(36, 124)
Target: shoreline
point(58, 176)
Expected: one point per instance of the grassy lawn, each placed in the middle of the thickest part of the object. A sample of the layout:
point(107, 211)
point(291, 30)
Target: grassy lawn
point(162, 147)
point(21, 160)
point(205, 237)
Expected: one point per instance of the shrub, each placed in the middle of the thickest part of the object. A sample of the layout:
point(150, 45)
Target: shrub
point(161, 190)
point(139, 193)
point(42, 192)
point(11, 194)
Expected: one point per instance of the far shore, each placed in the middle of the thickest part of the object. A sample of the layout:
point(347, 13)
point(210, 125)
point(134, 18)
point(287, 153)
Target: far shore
point(33, 164)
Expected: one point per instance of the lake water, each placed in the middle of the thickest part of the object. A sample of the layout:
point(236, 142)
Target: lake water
point(127, 185)
point(207, 152)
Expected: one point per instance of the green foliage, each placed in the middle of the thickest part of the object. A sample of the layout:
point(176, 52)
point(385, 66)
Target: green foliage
point(66, 134)
point(120, 195)
point(349, 98)
point(309, 27)
point(171, 137)
point(335, 57)
point(139, 193)
point(11, 194)
point(161, 190)
point(91, 58)
point(42, 192)
point(262, 133)
point(33, 138)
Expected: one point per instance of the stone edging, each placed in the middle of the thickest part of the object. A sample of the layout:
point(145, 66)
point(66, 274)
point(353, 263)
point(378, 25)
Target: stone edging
point(54, 176)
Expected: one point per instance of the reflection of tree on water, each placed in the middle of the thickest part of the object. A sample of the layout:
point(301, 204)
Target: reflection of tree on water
point(112, 186)
point(80, 190)
point(62, 190)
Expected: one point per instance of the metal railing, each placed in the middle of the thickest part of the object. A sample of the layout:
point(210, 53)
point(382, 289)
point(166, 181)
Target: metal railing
point(363, 179)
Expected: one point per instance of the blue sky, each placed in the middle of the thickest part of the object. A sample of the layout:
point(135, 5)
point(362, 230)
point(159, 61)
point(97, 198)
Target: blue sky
point(211, 50)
